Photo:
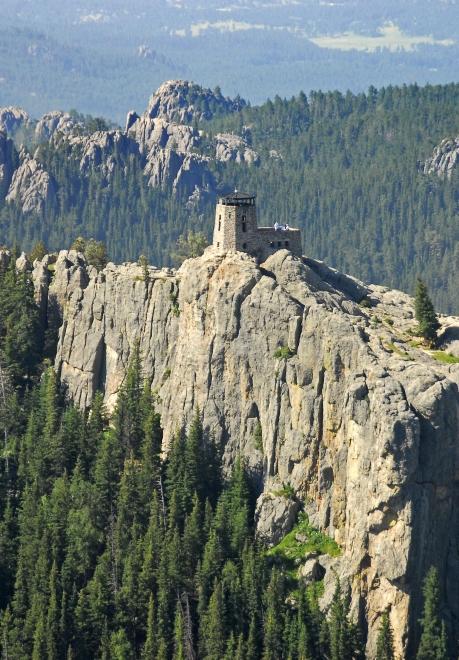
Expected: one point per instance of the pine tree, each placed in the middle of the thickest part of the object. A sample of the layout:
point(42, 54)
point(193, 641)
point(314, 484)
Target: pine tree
point(385, 641)
point(52, 620)
point(272, 643)
point(179, 647)
point(96, 427)
point(432, 645)
point(149, 648)
point(128, 419)
point(342, 633)
point(212, 632)
point(425, 313)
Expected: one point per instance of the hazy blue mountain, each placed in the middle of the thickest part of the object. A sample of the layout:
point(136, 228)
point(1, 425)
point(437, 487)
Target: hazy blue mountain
point(106, 55)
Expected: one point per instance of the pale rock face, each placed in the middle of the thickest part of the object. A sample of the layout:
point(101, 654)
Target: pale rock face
point(153, 133)
point(361, 425)
point(229, 147)
point(275, 516)
point(32, 188)
point(167, 148)
point(444, 159)
point(55, 122)
point(12, 118)
point(104, 150)
point(175, 100)
point(22, 263)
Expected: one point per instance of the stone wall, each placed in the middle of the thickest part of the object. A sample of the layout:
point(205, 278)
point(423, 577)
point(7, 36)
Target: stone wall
point(269, 240)
point(260, 242)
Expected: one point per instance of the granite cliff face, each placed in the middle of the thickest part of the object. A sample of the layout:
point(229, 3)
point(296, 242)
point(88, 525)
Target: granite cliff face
point(31, 187)
point(444, 159)
point(361, 423)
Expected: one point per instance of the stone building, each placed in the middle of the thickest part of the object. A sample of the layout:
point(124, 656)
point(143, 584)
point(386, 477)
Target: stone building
point(236, 228)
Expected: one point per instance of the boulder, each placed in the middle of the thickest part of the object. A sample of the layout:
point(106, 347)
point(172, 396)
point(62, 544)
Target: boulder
point(275, 517)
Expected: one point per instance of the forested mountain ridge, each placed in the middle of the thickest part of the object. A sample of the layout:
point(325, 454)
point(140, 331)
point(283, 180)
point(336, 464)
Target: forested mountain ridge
point(347, 169)
point(347, 429)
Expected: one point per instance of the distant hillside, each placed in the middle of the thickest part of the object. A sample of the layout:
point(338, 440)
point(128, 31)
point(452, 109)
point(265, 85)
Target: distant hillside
point(102, 56)
point(347, 169)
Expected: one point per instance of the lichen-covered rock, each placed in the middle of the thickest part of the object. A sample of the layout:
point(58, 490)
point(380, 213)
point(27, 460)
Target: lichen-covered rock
point(13, 118)
point(362, 425)
point(444, 159)
point(32, 188)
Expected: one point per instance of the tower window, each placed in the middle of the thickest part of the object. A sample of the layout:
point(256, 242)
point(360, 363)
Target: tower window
point(244, 246)
point(286, 243)
point(218, 244)
point(244, 227)
point(279, 243)
point(219, 225)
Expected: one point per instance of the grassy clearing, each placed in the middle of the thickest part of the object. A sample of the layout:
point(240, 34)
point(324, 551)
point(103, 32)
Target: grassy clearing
point(444, 357)
point(301, 541)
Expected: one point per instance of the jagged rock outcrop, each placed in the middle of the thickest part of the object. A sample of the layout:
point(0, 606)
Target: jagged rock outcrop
point(182, 101)
point(12, 118)
point(168, 152)
point(362, 424)
point(230, 147)
point(55, 122)
point(168, 148)
point(31, 188)
point(104, 151)
point(444, 159)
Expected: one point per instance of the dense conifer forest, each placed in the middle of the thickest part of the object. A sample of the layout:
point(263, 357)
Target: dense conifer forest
point(110, 550)
point(345, 168)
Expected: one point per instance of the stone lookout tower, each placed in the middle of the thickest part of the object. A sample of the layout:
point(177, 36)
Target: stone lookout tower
point(236, 229)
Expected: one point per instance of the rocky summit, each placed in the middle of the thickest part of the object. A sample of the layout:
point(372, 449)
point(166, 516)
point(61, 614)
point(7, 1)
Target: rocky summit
point(162, 140)
point(316, 379)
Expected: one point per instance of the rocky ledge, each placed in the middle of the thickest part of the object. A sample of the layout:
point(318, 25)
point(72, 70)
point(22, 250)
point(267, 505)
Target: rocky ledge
point(316, 379)
point(444, 159)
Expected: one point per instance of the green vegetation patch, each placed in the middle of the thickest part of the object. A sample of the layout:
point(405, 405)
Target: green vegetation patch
point(401, 353)
point(444, 357)
point(286, 491)
point(302, 540)
point(284, 353)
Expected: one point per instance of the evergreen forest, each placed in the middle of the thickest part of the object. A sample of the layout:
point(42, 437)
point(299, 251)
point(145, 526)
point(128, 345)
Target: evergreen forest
point(345, 168)
point(110, 550)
